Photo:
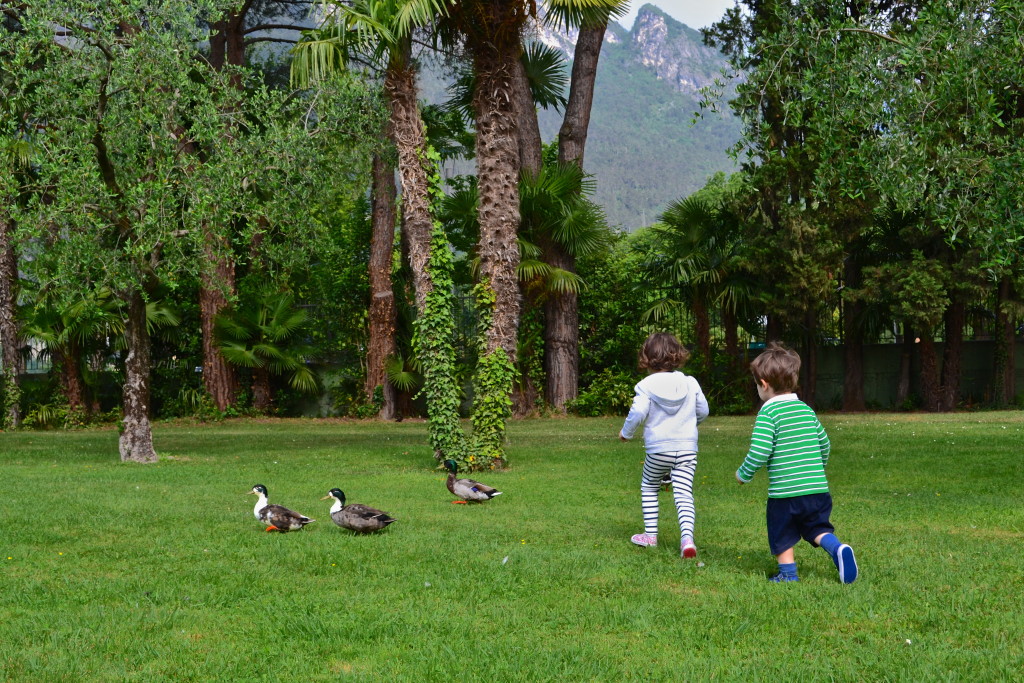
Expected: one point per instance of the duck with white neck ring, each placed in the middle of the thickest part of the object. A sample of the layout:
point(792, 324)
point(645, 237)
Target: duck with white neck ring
point(356, 517)
point(276, 517)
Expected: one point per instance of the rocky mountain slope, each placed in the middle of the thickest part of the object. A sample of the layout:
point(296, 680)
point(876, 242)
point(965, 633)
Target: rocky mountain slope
point(644, 147)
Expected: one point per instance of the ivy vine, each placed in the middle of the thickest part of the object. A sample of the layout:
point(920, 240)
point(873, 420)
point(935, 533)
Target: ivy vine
point(434, 337)
point(492, 405)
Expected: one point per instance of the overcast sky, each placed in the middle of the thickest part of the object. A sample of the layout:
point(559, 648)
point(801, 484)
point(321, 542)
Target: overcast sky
point(693, 13)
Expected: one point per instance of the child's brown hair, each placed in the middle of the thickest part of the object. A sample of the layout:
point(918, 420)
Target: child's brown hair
point(779, 366)
point(662, 352)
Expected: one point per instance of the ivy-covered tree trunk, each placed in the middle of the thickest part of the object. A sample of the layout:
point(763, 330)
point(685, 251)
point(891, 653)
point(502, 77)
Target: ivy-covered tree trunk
point(383, 313)
point(9, 360)
point(136, 443)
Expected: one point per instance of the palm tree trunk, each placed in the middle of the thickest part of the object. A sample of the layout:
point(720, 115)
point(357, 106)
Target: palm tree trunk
point(219, 377)
point(561, 311)
point(530, 142)
point(262, 394)
point(9, 347)
point(572, 136)
point(383, 314)
point(497, 157)
point(136, 443)
point(68, 361)
point(406, 130)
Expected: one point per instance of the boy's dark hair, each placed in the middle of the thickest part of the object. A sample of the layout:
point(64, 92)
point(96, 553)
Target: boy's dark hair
point(779, 366)
point(662, 352)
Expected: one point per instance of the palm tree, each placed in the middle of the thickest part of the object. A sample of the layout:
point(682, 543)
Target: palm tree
point(262, 337)
point(696, 254)
point(379, 33)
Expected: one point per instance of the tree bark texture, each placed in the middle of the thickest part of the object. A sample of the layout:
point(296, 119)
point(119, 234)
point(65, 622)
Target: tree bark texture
point(136, 443)
point(383, 313)
point(69, 362)
point(561, 310)
point(930, 387)
point(952, 355)
point(561, 338)
point(9, 346)
point(219, 377)
point(262, 393)
point(572, 136)
point(497, 157)
point(407, 133)
point(530, 142)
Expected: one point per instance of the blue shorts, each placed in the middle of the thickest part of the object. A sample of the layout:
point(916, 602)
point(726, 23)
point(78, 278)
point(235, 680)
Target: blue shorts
point(790, 519)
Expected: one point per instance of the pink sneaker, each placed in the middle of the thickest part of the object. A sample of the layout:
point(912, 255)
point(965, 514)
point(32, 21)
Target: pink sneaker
point(645, 540)
point(689, 550)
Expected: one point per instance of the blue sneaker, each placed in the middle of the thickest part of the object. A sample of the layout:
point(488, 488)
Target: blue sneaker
point(783, 578)
point(846, 563)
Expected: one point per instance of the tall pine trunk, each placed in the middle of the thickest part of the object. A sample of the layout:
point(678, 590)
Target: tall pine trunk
point(136, 442)
point(383, 313)
point(9, 360)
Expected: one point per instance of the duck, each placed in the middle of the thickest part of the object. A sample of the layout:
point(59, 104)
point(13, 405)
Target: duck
point(277, 517)
point(467, 489)
point(355, 516)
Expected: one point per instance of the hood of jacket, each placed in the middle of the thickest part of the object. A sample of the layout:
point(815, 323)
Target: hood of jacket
point(668, 389)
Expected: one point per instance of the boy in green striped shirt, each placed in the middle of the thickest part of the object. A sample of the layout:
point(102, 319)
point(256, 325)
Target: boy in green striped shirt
point(790, 440)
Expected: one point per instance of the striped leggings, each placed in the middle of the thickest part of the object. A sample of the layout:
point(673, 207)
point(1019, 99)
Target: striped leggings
point(681, 466)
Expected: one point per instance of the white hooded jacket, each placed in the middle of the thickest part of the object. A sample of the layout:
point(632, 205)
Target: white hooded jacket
point(670, 405)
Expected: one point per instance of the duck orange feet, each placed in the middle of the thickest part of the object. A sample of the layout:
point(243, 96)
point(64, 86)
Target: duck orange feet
point(272, 528)
point(459, 502)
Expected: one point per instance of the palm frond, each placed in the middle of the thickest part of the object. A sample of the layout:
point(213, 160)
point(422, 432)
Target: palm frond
point(547, 75)
point(567, 14)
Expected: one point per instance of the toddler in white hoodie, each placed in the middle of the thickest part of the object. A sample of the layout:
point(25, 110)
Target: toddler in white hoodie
point(670, 405)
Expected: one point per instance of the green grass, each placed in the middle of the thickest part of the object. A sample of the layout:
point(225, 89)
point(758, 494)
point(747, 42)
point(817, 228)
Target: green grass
point(118, 572)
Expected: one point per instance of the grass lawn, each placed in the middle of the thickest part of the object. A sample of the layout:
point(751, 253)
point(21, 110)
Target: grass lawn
point(119, 572)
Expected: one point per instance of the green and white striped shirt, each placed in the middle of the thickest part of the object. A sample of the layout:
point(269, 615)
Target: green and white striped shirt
point(788, 438)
